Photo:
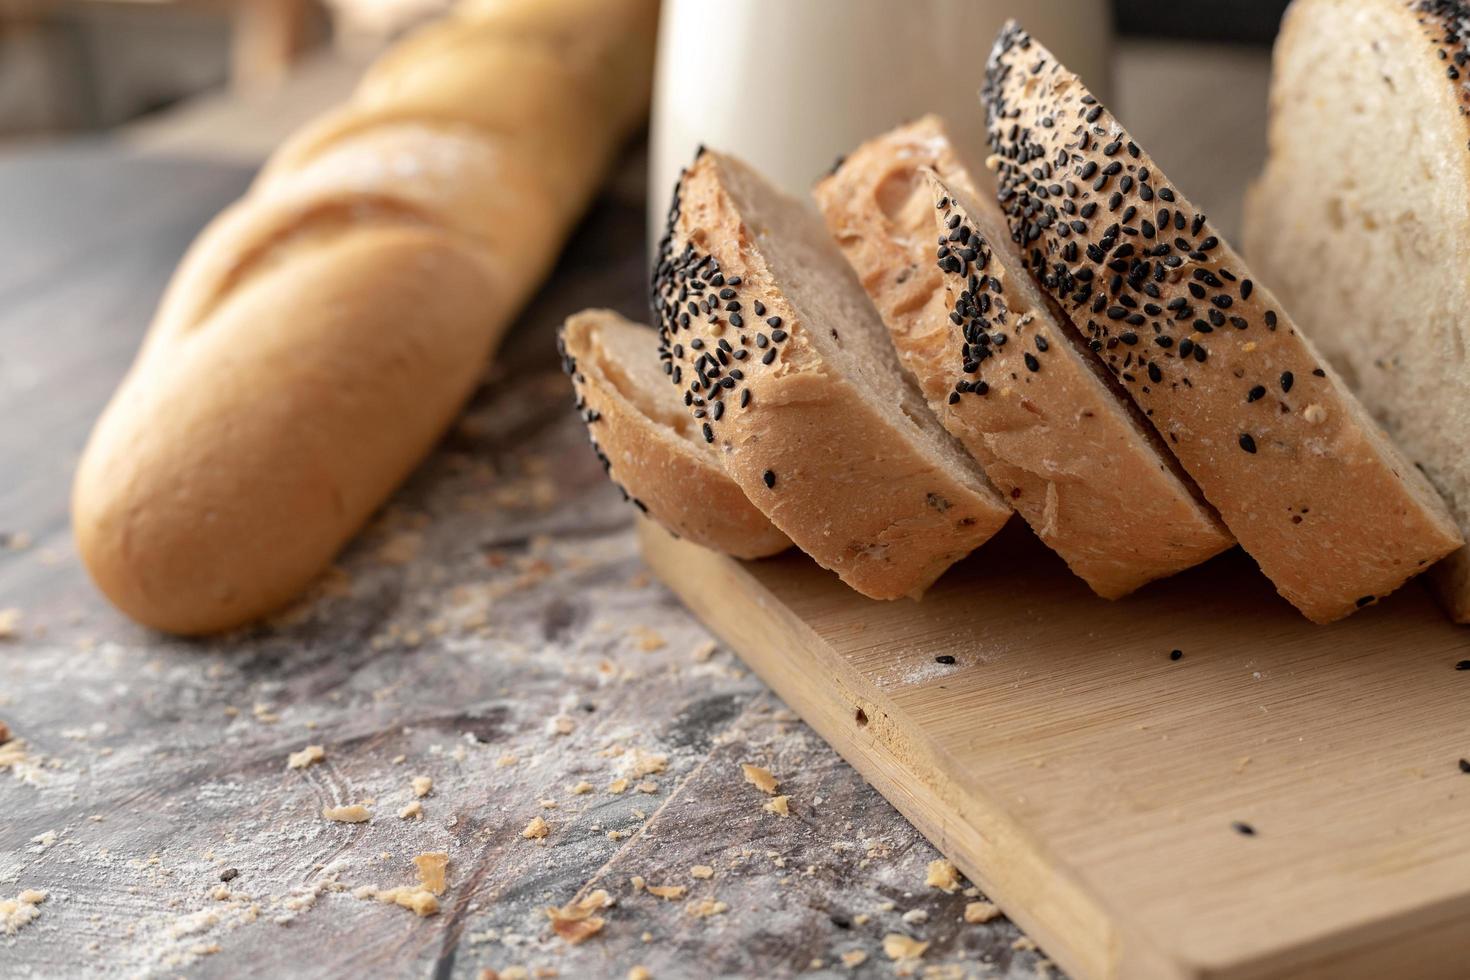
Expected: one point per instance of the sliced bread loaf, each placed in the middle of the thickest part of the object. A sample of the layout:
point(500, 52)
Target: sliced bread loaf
point(1361, 221)
point(648, 444)
point(1334, 514)
point(788, 371)
point(1002, 374)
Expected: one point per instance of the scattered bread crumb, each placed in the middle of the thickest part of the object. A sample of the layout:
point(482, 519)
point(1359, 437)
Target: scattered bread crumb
point(617, 786)
point(648, 639)
point(413, 811)
point(308, 756)
point(777, 805)
point(351, 813)
point(9, 628)
point(413, 897)
point(647, 786)
point(897, 946)
point(1314, 414)
point(18, 912)
point(581, 789)
point(943, 875)
point(977, 912)
point(668, 892)
point(536, 829)
point(706, 907)
point(760, 778)
point(431, 867)
point(915, 917)
point(648, 764)
point(704, 651)
point(4, 733)
point(701, 871)
point(562, 725)
point(506, 761)
point(640, 973)
point(637, 882)
point(1024, 944)
point(422, 785)
point(575, 921)
point(854, 958)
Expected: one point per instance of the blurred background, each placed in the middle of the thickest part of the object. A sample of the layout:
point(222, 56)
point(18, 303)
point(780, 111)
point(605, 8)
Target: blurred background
point(80, 66)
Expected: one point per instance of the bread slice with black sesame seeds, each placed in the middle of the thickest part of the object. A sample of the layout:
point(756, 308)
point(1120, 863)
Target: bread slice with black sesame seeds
point(1003, 374)
point(647, 443)
point(787, 369)
point(1361, 222)
point(1332, 512)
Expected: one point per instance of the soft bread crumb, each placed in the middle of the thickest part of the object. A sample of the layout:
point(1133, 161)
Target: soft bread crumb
point(897, 946)
point(575, 921)
point(310, 755)
point(648, 639)
point(536, 829)
point(701, 871)
point(422, 785)
point(668, 892)
point(943, 875)
point(562, 725)
point(416, 898)
point(413, 811)
point(760, 778)
point(351, 813)
point(18, 912)
point(648, 764)
point(854, 958)
point(581, 789)
point(706, 907)
point(640, 973)
point(9, 624)
point(617, 786)
point(1024, 944)
point(978, 912)
point(777, 805)
point(431, 867)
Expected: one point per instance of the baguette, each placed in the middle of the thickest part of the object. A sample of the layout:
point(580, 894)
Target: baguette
point(1334, 514)
point(647, 443)
point(1004, 375)
point(1372, 258)
point(788, 371)
point(323, 332)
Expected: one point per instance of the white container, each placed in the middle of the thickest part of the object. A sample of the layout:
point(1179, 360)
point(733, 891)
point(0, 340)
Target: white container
point(789, 85)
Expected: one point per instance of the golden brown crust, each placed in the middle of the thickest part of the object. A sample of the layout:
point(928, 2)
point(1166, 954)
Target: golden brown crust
point(1055, 441)
point(1333, 514)
point(845, 482)
point(644, 437)
point(389, 246)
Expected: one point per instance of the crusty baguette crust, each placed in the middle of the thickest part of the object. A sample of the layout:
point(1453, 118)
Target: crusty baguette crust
point(1334, 515)
point(841, 480)
point(1373, 260)
point(645, 441)
point(1055, 440)
point(361, 283)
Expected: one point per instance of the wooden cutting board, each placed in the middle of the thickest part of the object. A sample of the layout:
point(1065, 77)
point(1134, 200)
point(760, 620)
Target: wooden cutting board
point(1280, 800)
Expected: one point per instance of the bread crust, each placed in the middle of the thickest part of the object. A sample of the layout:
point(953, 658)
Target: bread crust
point(1055, 440)
point(811, 450)
point(642, 436)
point(322, 332)
point(1373, 260)
point(1333, 514)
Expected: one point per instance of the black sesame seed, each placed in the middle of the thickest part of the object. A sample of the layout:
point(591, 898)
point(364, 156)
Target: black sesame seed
point(229, 874)
point(1286, 380)
point(1465, 765)
point(1176, 654)
point(1032, 364)
point(944, 658)
point(770, 479)
point(1463, 665)
point(1243, 828)
point(1247, 443)
point(709, 434)
point(1256, 393)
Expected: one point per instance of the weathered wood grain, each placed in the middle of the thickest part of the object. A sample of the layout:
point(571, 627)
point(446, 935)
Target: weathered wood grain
point(501, 590)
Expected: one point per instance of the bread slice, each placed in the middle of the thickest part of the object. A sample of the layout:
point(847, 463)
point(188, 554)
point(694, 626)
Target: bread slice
point(647, 442)
point(1002, 374)
point(1313, 490)
point(1371, 259)
point(787, 369)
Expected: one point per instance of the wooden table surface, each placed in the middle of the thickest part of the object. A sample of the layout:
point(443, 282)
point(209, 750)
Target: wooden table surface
point(494, 630)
